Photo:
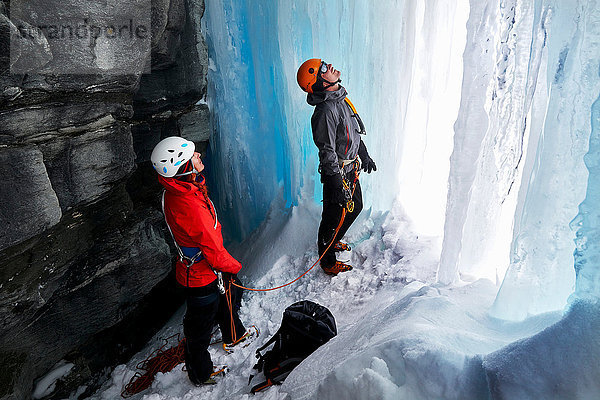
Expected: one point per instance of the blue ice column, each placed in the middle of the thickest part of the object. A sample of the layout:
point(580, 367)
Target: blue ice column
point(250, 156)
point(587, 222)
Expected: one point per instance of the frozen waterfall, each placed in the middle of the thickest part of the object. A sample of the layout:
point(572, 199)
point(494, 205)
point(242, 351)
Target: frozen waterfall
point(541, 274)
point(587, 253)
point(478, 116)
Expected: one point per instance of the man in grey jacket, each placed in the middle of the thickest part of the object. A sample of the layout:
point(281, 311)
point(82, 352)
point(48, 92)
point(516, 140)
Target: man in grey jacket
point(336, 131)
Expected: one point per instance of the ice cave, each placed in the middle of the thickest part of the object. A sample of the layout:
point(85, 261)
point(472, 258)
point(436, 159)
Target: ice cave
point(475, 256)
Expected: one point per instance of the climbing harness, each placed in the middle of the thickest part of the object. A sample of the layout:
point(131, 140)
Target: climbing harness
point(343, 163)
point(349, 192)
point(185, 260)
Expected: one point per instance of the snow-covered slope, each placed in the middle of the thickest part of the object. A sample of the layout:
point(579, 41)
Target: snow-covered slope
point(400, 335)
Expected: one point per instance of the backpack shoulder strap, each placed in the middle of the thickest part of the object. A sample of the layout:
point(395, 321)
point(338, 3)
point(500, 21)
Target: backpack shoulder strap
point(271, 341)
point(355, 114)
point(188, 261)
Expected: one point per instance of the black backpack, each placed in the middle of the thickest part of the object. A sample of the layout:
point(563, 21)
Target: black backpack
point(304, 328)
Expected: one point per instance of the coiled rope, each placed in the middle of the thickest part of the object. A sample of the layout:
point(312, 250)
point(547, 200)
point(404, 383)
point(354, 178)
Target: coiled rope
point(160, 360)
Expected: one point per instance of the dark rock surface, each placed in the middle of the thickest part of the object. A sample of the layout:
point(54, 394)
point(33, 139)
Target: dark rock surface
point(85, 261)
point(84, 167)
point(178, 80)
point(195, 125)
point(28, 203)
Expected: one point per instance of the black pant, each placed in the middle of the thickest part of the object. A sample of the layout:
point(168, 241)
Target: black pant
point(330, 219)
point(205, 306)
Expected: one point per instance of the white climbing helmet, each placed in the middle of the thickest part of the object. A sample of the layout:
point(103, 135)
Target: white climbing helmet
point(170, 154)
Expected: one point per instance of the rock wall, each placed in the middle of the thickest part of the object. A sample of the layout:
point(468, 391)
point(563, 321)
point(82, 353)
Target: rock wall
point(84, 261)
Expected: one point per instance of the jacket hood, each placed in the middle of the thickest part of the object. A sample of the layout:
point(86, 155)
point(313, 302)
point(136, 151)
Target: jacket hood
point(176, 186)
point(318, 97)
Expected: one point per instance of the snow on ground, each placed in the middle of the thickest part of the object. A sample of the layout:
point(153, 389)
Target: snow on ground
point(47, 384)
point(400, 336)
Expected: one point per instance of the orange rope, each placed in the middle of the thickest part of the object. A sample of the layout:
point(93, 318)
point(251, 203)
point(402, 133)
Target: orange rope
point(308, 270)
point(230, 305)
point(356, 173)
point(159, 360)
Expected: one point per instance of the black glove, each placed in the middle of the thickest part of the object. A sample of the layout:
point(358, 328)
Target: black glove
point(367, 162)
point(333, 188)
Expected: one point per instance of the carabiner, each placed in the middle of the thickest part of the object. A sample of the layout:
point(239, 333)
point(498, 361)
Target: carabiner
point(220, 284)
point(350, 206)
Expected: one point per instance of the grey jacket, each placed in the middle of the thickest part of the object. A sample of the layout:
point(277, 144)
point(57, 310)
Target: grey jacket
point(335, 131)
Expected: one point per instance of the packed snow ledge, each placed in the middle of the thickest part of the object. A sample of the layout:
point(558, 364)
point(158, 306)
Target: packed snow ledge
point(400, 336)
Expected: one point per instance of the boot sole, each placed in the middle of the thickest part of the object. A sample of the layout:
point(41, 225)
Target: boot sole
point(335, 273)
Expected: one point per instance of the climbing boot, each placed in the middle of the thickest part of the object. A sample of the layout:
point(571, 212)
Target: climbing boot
point(244, 341)
point(337, 268)
point(218, 373)
point(341, 246)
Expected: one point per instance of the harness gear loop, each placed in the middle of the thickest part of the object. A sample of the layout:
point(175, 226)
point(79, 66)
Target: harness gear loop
point(189, 261)
point(349, 193)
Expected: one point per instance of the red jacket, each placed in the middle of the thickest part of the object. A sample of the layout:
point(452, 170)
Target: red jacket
point(193, 221)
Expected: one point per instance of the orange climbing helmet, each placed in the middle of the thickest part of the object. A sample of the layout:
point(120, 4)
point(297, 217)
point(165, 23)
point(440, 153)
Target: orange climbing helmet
point(308, 73)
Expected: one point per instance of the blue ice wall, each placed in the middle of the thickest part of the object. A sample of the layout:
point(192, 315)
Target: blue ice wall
point(540, 277)
point(262, 154)
point(249, 152)
point(587, 252)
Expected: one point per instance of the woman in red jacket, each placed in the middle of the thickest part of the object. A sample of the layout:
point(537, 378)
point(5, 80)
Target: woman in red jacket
point(192, 220)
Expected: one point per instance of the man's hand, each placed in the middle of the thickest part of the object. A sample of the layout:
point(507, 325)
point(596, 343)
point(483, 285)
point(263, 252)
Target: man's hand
point(366, 161)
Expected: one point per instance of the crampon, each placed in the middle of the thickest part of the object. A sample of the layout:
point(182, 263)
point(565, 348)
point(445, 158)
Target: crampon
point(244, 341)
point(218, 372)
point(341, 246)
point(337, 268)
